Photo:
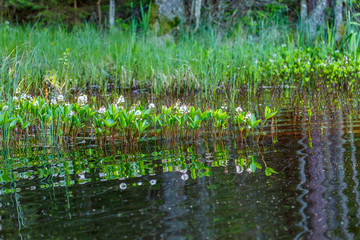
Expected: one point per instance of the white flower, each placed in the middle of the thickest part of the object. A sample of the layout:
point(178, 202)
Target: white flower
point(120, 100)
point(249, 170)
point(224, 107)
point(53, 101)
point(183, 109)
point(238, 110)
point(153, 182)
point(71, 113)
point(60, 98)
point(270, 60)
point(138, 113)
point(102, 110)
point(15, 99)
point(283, 45)
point(239, 169)
point(36, 103)
point(177, 104)
point(25, 96)
point(151, 105)
point(185, 177)
point(5, 108)
point(82, 100)
point(248, 115)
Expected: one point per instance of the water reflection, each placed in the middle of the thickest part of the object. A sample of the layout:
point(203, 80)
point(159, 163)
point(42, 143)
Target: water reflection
point(207, 191)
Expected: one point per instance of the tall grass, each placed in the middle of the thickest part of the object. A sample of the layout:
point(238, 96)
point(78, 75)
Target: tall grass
point(125, 58)
point(42, 59)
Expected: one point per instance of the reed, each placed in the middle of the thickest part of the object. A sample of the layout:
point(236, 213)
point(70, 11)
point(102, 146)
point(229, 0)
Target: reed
point(56, 59)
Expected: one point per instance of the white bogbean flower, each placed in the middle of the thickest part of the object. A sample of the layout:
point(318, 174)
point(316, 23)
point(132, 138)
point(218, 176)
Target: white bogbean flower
point(238, 110)
point(5, 108)
point(177, 104)
point(152, 106)
point(248, 116)
point(183, 109)
point(82, 100)
point(71, 113)
point(224, 107)
point(102, 110)
point(53, 101)
point(138, 113)
point(25, 97)
point(60, 98)
point(15, 99)
point(120, 100)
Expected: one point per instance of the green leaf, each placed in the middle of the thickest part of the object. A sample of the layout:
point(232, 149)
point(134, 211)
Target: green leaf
point(13, 123)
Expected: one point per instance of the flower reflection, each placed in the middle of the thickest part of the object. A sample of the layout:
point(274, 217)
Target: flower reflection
point(184, 177)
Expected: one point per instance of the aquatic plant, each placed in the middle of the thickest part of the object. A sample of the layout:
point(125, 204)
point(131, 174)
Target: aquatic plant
point(51, 121)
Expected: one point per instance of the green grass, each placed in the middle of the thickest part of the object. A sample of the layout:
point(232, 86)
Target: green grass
point(58, 59)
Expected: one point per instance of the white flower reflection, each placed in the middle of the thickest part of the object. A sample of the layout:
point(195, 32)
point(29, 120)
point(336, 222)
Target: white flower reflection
point(184, 177)
point(123, 186)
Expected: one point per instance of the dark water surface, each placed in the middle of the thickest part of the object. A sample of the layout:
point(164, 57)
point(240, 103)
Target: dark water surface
point(181, 191)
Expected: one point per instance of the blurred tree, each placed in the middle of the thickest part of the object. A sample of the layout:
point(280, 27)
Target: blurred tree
point(112, 13)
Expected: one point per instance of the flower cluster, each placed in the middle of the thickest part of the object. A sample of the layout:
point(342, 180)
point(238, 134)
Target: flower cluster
point(82, 100)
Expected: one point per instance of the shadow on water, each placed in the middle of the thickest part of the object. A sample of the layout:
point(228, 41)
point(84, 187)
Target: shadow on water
point(190, 191)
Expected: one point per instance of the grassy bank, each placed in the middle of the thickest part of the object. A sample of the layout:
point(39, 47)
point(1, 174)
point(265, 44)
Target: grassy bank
point(56, 60)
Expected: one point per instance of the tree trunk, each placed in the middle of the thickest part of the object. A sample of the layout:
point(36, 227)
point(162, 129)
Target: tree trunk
point(197, 14)
point(99, 10)
point(338, 19)
point(171, 9)
point(75, 12)
point(303, 11)
point(316, 16)
point(112, 13)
